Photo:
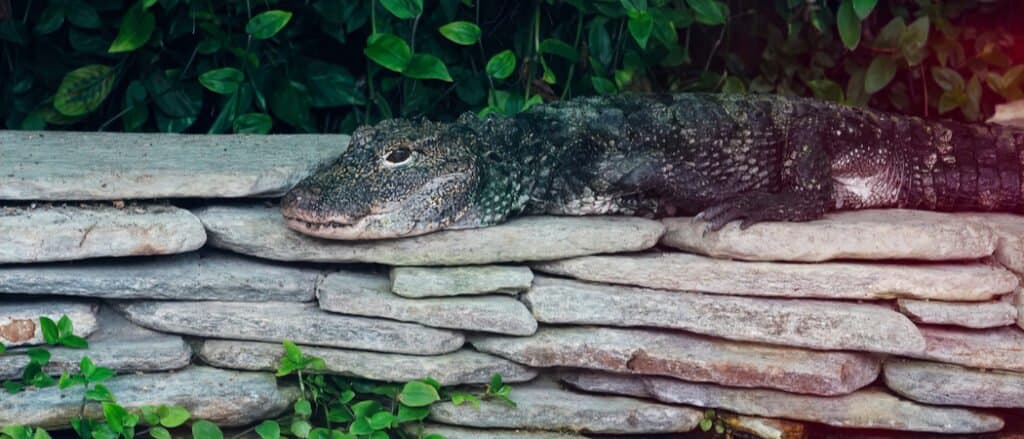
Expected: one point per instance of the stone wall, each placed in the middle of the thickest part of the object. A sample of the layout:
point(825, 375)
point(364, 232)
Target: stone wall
point(895, 320)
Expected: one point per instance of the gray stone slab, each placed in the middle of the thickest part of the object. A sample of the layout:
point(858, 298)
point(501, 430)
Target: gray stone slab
point(947, 384)
point(226, 398)
point(19, 319)
point(299, 322)
point(815, 324)
point(453, 432)
point(867, 408)
point(370, 295)
point(689, 357)
point(65, 233)
point(117, 344)
point(260, 231)
point(546, 407)
point(997, 348)
point(1009, 114)
point(895, 234)
point(1009, 231)
point(764, 428)
point(419, 282)
point(828, 280)
point(207, 275)
point(57, 165)
point(991, 314)
point(464, 366)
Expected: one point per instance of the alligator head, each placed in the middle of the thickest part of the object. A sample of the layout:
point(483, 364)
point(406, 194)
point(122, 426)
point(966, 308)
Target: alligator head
point(398, 178)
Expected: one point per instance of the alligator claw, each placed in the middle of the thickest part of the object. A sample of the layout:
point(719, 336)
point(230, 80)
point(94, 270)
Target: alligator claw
point(758, 207)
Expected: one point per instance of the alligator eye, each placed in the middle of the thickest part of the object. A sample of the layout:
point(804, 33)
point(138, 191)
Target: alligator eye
point(398, 156)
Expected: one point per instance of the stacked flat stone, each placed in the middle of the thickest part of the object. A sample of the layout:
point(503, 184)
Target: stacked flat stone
point(885, 319)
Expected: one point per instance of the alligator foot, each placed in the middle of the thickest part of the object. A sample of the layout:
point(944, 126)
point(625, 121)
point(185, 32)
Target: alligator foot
point(757, 207)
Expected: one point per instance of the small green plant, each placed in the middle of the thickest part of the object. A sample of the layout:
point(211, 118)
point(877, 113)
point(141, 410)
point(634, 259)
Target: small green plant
point(712, 421)
point(60, 333)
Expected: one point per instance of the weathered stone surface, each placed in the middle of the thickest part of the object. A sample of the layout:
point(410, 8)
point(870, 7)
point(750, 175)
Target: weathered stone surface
point(418, 282)
point(764, 428)
point(224, 397)
point(299, 322)
point(991, 314)
point(829, 280)
point(191, 276)
point(868, 408)
point(895, 234)
point(816, 324)
point(947, 384)
point(64, 233)
point(1009, 231)
point(1017, 299)
point(371, 296)
point(260, 231)
point(464, 366)
point(689, 357)
point(453, 432)
point(56, 165)
point(999, 348)
point(117, 344)
point(546, 407)
point(19, 320)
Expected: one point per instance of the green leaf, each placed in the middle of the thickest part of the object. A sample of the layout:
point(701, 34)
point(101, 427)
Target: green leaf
point(173, 97)
point(502, 65)
point(291, 103)
point(599, 41)
point(913, 41)
point(150, 414)
point(303, 408)
point(83, 15)
point(947, 78)
point(709, 12)
point(706, 424)
point(849, 25)
point(407, 414)
point(136, 28)
point(331, 85)
point(640, 28)
point(269, 430)
point(81, 91)
point(301, 428)
point(86, 367)
point(951, 100)
point(360, 426)
point(41, 433)
point(461, 32)
point(223, 81)
point(424, 66)
point(403, 9)
point(73, 341)
point(135, 108)
point(557, 47)
point(889, 36)
point(253, 123)
point(173, 416)
point(38, 356)
point(388, 50)
point(634, 7)
point(100, 374)
point(99, 393)
point(50, 20)
point(381, 420)
point(880, 72)
point(418, 394)
point(364, 409)
point(49, 330)
point(827, 90)
point(115, 416)
point(267, 24)
point(159, 433)
point(863, 8)
point(206, 430)
point(603, 85)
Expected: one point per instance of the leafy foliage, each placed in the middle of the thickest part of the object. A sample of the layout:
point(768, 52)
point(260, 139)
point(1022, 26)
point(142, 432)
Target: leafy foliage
point(330, 65)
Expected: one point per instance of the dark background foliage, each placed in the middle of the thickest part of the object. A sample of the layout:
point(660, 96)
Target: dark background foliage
point(210, 66)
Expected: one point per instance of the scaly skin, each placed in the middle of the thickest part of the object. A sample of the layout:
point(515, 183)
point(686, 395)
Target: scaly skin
point(727, 157)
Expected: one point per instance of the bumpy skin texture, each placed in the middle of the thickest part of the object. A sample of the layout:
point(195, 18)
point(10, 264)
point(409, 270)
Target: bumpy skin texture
point(726, 157)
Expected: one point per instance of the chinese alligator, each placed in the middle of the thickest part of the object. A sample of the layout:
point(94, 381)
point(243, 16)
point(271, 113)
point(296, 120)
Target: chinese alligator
point(725, 157)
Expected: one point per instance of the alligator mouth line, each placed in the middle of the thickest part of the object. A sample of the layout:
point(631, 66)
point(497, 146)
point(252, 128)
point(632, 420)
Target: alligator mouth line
point(317, 225)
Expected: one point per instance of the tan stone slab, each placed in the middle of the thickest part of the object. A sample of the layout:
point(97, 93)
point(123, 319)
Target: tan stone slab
point(764, 428)
point(829, 280)
point(260, 231)
point(689, 357)
point(991, 314)
point(418, 282)
point(299, 322)
point(464, 366)
point(226, 398)
point(370, 295)
point(1009, 230)
point(947, 384)
point(815, 324)
point(867, 408)
point(64, 233)
point(56, 165)
point(453, 432)
point(19, 319)
point(541, 406)
point(894, 234)
point(1009, 114)
point(117, 344)
point(998, 348)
